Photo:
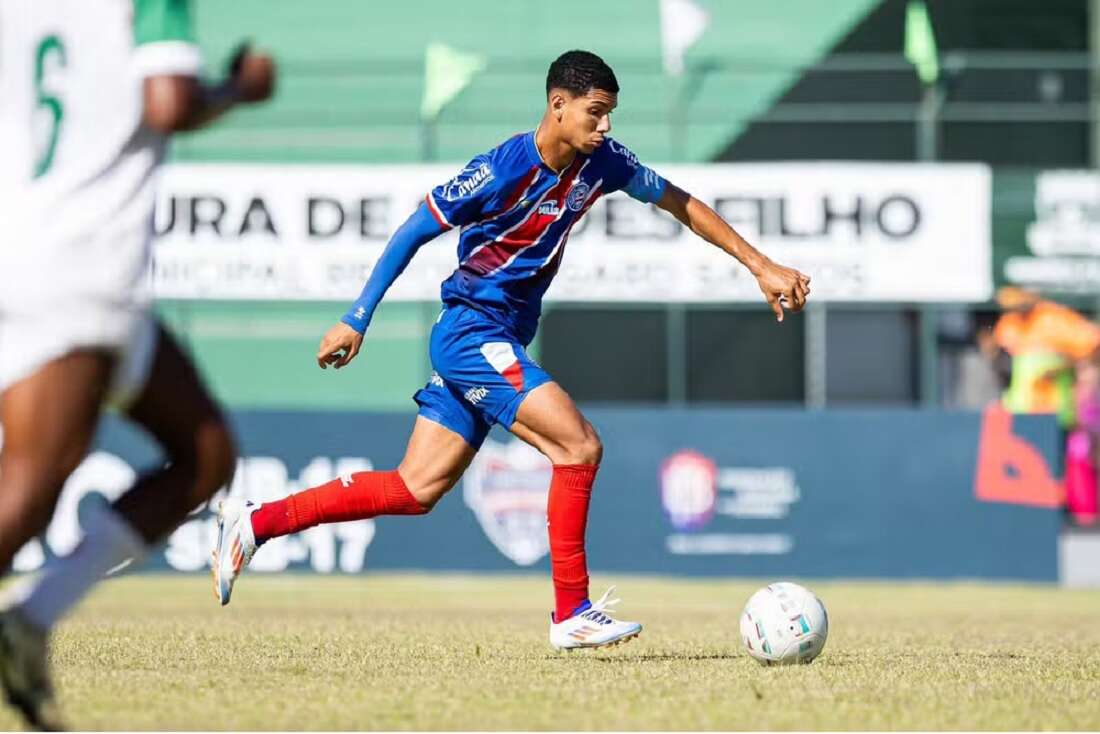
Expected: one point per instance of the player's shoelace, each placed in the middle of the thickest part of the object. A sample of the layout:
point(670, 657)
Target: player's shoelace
point(599, 609)
point(597, 617)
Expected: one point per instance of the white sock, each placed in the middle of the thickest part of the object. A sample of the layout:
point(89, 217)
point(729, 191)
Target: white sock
point(108, 542)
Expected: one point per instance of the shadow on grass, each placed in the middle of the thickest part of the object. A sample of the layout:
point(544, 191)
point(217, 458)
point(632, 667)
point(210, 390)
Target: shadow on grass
point(981, 656)
point(644, 658)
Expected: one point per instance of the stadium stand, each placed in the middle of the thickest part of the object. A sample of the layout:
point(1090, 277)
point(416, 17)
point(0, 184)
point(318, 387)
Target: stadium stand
point(353, 77)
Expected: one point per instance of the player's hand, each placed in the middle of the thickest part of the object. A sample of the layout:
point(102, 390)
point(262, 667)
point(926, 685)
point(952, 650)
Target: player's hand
point(339, 346)
point(783, 286)
point(252, 74)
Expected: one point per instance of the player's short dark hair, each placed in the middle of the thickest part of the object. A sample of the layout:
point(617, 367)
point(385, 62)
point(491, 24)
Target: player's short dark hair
point(579, 72)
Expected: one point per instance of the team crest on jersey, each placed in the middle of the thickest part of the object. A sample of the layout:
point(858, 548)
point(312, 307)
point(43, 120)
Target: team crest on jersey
point(507, 486)
point(577, 196)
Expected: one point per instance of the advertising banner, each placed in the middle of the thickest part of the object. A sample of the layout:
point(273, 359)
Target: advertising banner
point(774, 493)
point(1047, 228)
point(863, 231)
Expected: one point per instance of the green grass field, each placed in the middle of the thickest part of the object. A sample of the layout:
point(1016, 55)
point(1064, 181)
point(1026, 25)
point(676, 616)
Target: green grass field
point(458, 652)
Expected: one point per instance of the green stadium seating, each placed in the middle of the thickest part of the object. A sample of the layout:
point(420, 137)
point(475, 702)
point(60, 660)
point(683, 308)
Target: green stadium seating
point(352, 73)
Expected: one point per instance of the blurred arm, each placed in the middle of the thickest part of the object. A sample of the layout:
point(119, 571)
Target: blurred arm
point(177, 103)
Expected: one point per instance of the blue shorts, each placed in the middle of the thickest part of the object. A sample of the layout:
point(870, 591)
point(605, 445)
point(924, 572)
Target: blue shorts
point(481, 375)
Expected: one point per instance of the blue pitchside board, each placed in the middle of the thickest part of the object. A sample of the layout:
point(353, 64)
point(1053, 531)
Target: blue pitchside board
point(694, 492)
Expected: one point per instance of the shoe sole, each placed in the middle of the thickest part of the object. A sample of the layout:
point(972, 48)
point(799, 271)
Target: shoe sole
point(214, 575)
point(613, 643)
point(215, 558)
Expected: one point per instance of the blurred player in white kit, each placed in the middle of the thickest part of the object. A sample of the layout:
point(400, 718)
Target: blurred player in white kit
point(92, 90)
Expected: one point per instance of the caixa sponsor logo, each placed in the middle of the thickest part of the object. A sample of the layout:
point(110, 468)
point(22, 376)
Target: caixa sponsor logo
point(506, 487)
point(689, 489)
point(468, 182)
point(624, 152)
point(103, 477)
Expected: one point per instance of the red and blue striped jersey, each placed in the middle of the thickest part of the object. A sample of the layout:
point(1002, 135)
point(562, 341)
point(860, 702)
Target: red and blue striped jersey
point(515, 214)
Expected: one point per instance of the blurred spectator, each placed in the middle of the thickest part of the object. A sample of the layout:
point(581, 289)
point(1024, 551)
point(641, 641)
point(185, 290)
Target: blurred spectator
point(1053, 352)
point(967, 378)
point(1083, 446)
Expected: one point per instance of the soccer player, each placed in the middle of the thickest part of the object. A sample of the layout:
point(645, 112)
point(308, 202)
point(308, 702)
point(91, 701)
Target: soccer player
point(91, 90)
point(514, 206)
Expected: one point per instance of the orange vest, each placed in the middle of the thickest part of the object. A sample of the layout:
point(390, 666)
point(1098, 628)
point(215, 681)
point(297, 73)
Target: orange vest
point(1045, 342)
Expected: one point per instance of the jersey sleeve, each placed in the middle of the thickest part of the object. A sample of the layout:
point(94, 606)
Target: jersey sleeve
point(466, 197)
point(164, 39)
point(632, 177)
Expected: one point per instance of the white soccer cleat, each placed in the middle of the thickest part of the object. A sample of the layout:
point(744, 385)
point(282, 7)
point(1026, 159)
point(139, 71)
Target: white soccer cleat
point(236, 545)
point(25, 672)
point(592, 626)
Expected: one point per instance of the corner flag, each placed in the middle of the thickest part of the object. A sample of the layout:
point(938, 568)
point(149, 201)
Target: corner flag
point(920, 42)
point(682, 23)
point(446, 73)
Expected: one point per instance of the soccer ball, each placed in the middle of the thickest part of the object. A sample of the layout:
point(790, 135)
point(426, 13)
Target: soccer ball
point(784, 623)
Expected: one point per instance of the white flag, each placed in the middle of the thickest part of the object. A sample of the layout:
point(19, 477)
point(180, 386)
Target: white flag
point(447, 72)
point(682, 23)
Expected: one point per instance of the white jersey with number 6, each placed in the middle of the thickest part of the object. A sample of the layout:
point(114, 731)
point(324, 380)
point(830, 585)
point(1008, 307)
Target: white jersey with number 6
point(76, 192)
point(77, 169)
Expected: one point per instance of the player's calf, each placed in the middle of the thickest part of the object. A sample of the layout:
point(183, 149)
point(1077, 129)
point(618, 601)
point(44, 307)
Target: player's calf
point(244, 526)
point(213, 461)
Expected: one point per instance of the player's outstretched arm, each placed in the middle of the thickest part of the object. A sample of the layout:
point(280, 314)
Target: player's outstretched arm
point(176, 103)
point(782, 286)
point(341, 343)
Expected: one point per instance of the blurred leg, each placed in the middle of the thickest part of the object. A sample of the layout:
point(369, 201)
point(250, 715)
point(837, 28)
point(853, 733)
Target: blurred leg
point(176, 408)
point(48, 420)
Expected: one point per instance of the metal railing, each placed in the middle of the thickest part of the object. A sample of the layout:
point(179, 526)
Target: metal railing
point(370, 106)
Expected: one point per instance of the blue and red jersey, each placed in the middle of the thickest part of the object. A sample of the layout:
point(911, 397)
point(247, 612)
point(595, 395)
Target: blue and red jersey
point(515, 213)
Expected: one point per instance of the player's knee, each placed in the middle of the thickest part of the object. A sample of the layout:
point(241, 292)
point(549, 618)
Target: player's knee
point(592, 450)
point(587, 448)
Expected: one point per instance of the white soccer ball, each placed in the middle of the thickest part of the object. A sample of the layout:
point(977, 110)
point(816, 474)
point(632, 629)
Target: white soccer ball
point(784, 623)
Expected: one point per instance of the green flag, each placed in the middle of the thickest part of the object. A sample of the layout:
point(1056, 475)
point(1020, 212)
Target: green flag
point(446, 73)
point(920, 42)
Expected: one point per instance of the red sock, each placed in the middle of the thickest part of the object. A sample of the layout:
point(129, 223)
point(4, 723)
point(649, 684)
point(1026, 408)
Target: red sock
point(362, 495)
point(567, 515)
